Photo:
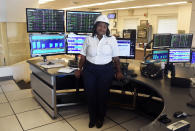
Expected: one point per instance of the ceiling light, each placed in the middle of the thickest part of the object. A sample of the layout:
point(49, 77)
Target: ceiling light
point(45, 1)
point(146, 6)
point(97, 4)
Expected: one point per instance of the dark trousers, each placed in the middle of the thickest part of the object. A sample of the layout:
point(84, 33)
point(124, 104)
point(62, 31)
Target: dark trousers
point(97, 80)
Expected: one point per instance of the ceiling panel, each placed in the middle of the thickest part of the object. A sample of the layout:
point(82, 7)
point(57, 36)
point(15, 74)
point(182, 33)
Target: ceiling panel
point(59, 4)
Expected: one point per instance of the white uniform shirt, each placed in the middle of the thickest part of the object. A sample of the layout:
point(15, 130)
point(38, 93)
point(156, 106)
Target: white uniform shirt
point(100, 52)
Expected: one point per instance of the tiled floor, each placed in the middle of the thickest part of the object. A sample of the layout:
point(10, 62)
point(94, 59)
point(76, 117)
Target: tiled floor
point(20, 112)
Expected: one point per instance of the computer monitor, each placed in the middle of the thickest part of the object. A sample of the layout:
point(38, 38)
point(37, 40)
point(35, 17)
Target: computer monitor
point(75, 43)
point(80, 21)
point(112, 16)
point(126, 48)
point(47, 44)
point(181, 40)
point(161, 41)
point(179, 55)
point(193, 57)
point(161, 55)
point(45, 20)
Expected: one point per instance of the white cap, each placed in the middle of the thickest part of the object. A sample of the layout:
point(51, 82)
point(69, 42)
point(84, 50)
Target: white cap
point(102, 18)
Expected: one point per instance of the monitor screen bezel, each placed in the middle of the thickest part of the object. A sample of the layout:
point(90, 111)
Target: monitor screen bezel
point(179, 49)
point(161, 50)
point(132, 41)
point(67, 46)
point(78, 11)
point(43, 31)
point(162, 47)
point(112, 14)
point(32, 56)
point(192, 50)
point(181, 34)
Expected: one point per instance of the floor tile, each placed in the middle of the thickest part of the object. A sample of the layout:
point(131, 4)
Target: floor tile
point(18, 95)
point(35, 118)
point(116, 128)
point(5, 110)
point(80, 123)
point(121, 115)
point(3, 98)
point(136, 124)
point(68, 112)
point(1, 90)
point(9, 85)
point(57, 126)
point(10, 123)
point(24, 105)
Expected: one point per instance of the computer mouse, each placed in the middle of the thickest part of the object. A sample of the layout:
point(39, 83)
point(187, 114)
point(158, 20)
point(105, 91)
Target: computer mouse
point(180, 114)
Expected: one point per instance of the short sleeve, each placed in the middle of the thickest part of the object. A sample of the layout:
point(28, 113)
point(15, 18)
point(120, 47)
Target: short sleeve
point(115, 48)
point(84, 47)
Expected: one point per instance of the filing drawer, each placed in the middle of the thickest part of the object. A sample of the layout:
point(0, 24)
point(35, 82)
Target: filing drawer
point(45, 106)
point(42, 90)
point(47, 78)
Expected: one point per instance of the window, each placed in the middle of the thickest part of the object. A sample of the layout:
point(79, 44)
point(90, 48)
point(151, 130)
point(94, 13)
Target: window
point(167, 25)
point(130, 23)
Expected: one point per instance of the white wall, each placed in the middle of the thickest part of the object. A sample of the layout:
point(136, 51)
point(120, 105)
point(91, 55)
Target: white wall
point(15, 11)
point(192, 23)
point(2, 10)
point(182, 13)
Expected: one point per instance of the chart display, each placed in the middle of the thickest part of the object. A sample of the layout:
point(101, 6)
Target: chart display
point(47, 44)
point(179, 55)
point(126, 48)
point(44, 20)
point(81, 22)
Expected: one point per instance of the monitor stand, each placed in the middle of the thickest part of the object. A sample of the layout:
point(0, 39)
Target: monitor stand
point(74, 63)
point(44, 58)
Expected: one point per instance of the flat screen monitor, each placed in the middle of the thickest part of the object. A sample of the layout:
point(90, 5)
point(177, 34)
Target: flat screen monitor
point(44, 20)
point(47, 44)
point(126, 48)
point(193, 57)
point(179, 55)
point(161, 41)
point(181, 40)
point(80, 21)
point(112, 16)
point(161, 55)
point(75, 43)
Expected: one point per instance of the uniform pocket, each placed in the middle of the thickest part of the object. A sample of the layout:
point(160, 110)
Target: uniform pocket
point(107, 50)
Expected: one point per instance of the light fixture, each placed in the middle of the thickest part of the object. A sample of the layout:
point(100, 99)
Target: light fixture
point(97, 4)
point(45, 1)
point(146, 6)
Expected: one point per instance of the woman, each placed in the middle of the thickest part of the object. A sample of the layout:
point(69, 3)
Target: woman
point(97, 55)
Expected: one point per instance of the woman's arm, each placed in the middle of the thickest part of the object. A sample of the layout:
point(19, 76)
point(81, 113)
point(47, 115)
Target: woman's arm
point(119, 75)
point(81, 63)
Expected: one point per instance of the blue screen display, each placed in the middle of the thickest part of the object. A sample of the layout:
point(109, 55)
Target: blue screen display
point(126, 48)
point(193, 57)
point(75, 43)
point(179, 55)
point(47, 44)
point(161, 55)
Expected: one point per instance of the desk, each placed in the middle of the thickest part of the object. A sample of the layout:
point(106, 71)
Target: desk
point(175, 99)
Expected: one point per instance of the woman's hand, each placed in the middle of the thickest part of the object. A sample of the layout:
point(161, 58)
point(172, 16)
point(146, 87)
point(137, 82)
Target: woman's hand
point(119, 75)
point(77, 73)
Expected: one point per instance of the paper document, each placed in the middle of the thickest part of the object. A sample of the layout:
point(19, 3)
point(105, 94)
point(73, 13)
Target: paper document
point(67, 69)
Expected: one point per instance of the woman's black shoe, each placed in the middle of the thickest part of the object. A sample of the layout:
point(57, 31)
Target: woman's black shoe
point(99, 124)
point(91, 124)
